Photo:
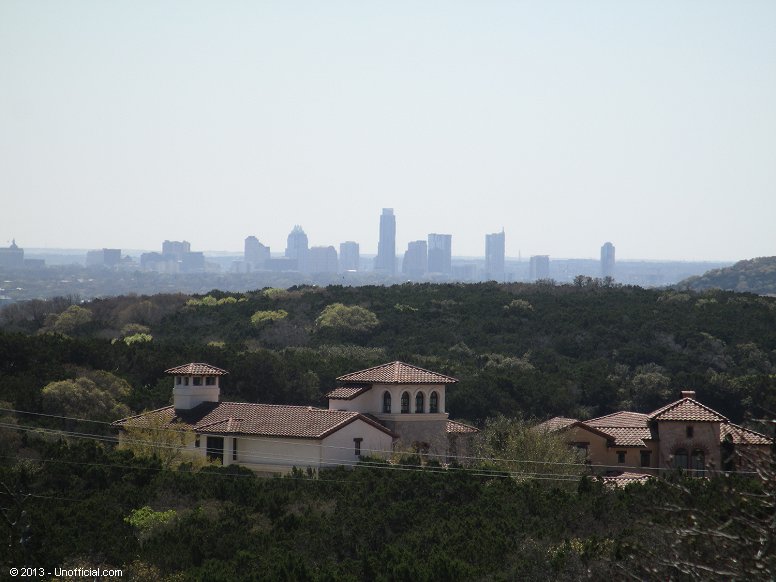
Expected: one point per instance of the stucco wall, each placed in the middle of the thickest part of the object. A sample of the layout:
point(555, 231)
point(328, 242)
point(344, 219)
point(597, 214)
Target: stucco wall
point(339, 448)
point(372, 400)
point(673, 435)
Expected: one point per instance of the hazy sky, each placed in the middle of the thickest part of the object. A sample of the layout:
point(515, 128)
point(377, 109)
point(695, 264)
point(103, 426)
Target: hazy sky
point(650, 124)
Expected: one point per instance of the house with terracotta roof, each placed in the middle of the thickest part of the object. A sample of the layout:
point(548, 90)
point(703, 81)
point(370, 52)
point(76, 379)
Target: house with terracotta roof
point(369, 413)
point(267, 438)
point(408, 400)
point(684, 434)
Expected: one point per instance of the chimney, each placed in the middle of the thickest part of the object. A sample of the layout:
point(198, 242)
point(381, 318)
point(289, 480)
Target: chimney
point(688, 393)
point(194, 384)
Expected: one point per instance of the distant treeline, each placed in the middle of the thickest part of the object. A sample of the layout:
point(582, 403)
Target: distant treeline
point(536, 350)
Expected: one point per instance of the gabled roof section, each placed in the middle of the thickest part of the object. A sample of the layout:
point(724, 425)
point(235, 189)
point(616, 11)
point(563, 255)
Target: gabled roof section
point(455, 427)
point(268, 420)
point(348, 392)
point(742, 436)
point(687, 409)
point(396, 373)
point(196, 369)
point(622, 419)
point(628, 436)
point(556, 423)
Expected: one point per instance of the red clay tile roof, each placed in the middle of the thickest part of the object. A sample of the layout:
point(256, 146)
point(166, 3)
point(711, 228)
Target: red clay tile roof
point(628, 436)
point(252, 419)
point(348, 392)
point(196, 369)
point(742, 436)
point(555, 423)
point(453, 426)
point(687, 409)
point(622, 419)
point(625, 478)
point(397, 373)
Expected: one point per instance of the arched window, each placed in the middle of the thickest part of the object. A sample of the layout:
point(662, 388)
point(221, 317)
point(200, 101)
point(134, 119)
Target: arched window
point(680, 459)
point(419, 402)
point(387, 402)
point(698, 462)
point(405, 403)
point(433, 403)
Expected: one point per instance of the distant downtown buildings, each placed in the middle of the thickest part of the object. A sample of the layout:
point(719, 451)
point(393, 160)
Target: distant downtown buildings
point(607, 260)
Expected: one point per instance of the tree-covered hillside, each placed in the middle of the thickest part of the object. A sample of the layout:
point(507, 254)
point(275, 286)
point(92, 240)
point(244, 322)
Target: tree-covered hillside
point(534, 350)
point(753, 275)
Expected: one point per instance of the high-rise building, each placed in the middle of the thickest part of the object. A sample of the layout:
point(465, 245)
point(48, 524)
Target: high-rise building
point(350, 256)
point(12, 256)
point(385, 261)
point(256, 254)
point(494, 255)
point(539, 267)
point(607, 260)
point(296, 246)
point(440, 253)
point(176, 248)
point(321, 260)
point(415, 263)
point(103, 258)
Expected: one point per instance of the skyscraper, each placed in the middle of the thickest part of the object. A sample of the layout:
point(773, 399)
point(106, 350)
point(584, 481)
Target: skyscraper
point(321, 260)
point(296, 246)
point(494, 255)
point(607, 260)
point(440, 253)
point(256, 254)
point(539, 267)
point(385, 261)
point(350, 256)
point(415, 263)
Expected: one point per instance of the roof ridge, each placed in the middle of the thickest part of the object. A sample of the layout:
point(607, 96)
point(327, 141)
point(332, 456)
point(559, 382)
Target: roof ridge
point(685, 400)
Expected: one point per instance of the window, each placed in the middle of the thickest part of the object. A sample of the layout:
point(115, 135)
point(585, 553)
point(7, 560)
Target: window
point(196, 441)
point(646, 458)
point(357, 445)
point(690, 431)
point(186, 381)
point(177, 380)
point(698, 462)
point(621, 457)
point(680, 459)
point(215, 448)
point(210, 381)
point(419, 402)
point(234, 449)
point(387, 402)
point(405, 403)
point(433, 403)
point(197, 381)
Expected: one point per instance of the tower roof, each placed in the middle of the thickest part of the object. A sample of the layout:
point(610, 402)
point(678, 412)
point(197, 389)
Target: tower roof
point(397, 373)
point(687, 409)
point(196, 369)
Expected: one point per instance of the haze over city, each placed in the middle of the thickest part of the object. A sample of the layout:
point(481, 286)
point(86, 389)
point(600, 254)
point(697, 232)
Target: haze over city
point(567, 124)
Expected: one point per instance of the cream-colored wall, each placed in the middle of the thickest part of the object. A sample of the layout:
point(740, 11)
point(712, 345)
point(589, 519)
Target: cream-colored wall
point(604, 457)
point(273, 454)
point(339, 448)
point(372, 400)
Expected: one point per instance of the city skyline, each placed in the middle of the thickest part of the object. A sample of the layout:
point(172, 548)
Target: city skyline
point(651, 125)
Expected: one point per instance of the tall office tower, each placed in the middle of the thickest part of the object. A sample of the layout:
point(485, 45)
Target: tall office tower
point(12, 256)
point(350, 256)
point(415, 263)
point(256, 254)
point(321, 260)
point(539, 267)
point(607, 260)
point(296, 247)
point(103, 258)
point(440, 253)
point(385, 261)
point(176, 248)
point(494, 255)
